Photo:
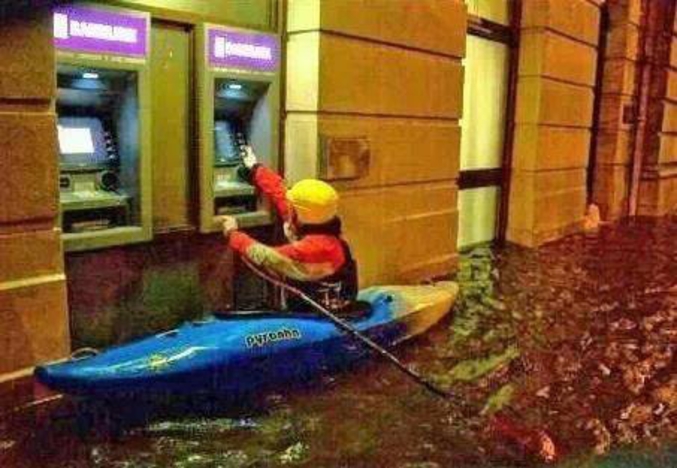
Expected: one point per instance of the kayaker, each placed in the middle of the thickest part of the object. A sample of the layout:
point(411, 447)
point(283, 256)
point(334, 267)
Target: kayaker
point(317, 260)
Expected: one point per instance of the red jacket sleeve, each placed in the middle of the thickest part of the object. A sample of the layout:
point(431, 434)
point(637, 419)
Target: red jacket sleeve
point(310, 259)
point(240, 242)
point(272, 186)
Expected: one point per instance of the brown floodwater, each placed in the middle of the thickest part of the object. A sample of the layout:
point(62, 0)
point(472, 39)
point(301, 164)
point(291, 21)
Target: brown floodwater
point(576, 338)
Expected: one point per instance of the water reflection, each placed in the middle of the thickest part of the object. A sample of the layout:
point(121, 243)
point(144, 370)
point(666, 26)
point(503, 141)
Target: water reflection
point(577, 338)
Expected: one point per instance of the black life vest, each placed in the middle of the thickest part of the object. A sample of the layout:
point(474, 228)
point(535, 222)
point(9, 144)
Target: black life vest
point(337, 291)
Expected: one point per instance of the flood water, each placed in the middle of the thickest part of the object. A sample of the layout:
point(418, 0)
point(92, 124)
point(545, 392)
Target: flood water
point(576, 338)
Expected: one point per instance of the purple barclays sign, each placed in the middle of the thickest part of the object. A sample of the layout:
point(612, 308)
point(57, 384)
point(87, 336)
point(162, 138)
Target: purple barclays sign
point(87, 29)
point(229, 48)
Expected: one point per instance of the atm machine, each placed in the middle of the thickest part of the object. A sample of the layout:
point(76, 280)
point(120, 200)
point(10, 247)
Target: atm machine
point(239, 97)
point(103, 126)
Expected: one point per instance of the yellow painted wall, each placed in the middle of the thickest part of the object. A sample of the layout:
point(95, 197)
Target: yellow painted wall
point(556, 77)
point(577, 19)
point(252, 13)
point(612, 171)
point(658, 188)
point(33, 309)
point(389, 72)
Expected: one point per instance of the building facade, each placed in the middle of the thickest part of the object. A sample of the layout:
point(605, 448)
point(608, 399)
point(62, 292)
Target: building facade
point(562, 103)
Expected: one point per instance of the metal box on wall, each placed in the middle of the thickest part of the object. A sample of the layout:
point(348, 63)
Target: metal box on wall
point(103, 112)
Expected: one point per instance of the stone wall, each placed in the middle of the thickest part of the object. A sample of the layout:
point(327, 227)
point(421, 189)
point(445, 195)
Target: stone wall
point(555, 93)
point(658, 185)
point(389, 72)
point(618, 109)
point(33, 309)
point(255, 14)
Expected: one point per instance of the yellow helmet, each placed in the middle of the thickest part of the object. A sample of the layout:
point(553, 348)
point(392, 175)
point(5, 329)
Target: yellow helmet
point(314, 201)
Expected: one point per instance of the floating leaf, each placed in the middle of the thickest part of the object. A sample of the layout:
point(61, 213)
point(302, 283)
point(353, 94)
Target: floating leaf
point(475, 368)
point(499, 399)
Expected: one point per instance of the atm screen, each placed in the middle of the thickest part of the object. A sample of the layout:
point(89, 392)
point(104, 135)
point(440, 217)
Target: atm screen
point(82, 142)
point(76, 140)
point(227, 143)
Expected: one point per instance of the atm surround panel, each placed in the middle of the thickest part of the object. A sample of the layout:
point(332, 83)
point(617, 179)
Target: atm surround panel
point(235, 103)
point(238, 108)
point(98, 181)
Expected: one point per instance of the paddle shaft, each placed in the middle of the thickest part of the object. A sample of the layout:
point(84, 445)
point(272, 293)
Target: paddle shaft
point(346, 327)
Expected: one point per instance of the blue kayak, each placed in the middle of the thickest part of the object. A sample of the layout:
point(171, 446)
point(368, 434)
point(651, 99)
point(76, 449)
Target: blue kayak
point(242, 353)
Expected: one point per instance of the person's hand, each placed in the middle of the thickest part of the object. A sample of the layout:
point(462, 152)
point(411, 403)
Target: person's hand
point(249, 159)
point(229, 225)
